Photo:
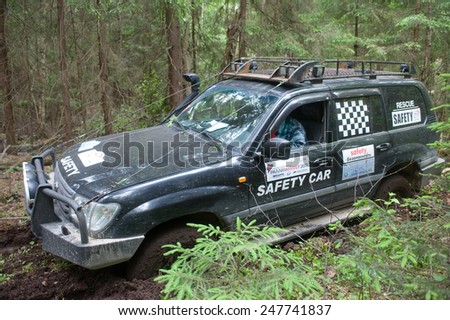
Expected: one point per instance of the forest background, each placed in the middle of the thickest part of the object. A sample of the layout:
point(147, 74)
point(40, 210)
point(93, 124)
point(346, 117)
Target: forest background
point(71, 70)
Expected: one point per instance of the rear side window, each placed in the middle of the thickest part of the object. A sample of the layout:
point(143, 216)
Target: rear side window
point(405, 106)
point(356, 116)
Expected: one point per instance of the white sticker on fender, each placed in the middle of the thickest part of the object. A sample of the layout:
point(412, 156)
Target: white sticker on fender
point(91, 157)
point(88, 145)
point(281, 169)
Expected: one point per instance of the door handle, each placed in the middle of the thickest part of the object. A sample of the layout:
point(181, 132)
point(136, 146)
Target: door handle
point(322, 162)
point(383, 146)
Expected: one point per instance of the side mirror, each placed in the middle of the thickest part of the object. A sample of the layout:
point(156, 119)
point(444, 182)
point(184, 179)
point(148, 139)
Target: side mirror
point(277, 148)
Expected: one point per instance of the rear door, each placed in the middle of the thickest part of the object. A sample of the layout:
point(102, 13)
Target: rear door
point(362, 145)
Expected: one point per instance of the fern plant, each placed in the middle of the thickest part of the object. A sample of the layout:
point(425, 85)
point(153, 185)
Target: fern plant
point(238, 264)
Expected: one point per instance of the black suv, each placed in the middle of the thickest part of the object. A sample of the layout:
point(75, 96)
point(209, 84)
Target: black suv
point(290, 142)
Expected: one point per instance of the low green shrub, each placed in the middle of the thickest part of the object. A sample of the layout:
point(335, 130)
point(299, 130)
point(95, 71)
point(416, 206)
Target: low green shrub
point(401, 253)
point(238, 264)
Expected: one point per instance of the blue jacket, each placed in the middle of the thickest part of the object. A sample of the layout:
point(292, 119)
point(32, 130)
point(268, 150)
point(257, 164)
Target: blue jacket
point(292, 130)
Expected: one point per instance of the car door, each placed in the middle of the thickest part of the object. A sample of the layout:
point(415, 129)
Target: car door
point(287, 191)
point(362, 145)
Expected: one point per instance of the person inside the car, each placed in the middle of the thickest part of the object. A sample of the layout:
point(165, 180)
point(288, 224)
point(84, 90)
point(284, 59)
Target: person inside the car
point(292, 130)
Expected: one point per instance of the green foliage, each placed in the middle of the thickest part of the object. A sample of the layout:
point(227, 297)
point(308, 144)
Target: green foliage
point(153, 109)
point(152, 90)
point(238, 265)
point(443, 126)
point(137, 49)
point(3, 277)
point(399, 251)
point(399, 254)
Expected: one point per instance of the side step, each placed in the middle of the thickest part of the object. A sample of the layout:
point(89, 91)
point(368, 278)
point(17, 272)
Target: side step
point(320, 222)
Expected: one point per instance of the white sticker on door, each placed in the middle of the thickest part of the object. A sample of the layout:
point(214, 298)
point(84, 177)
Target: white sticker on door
point(280, 169)
point(404, 117)
point(358, 161)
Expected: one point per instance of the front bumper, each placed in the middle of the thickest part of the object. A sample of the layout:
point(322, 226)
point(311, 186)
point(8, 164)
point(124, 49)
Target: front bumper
point(65, 239)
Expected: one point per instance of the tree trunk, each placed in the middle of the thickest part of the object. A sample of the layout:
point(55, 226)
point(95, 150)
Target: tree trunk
point(5, 82)
point(426, 71)
point(194, 15)
point(174, 56)
point(28, 77)
point(79, 64)
point(232, 38)
point(102, 63)
point(236, 39)
point(64, 74)
point(242, 24)
point(416, 34)
point(356, 44)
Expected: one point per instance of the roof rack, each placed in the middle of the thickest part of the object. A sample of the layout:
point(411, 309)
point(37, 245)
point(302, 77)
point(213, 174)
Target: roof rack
point(300, 70)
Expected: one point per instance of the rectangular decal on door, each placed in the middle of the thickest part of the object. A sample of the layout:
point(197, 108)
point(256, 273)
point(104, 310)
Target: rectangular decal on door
point(358, 161)
point(404, 117)
point(353, 118)
point(280, 169)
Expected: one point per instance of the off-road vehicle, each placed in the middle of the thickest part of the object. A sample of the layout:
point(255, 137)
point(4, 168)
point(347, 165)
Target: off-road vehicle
point(350, 129)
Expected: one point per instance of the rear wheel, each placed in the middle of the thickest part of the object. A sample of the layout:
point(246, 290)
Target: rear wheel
point(150, 256)
point(397, 184)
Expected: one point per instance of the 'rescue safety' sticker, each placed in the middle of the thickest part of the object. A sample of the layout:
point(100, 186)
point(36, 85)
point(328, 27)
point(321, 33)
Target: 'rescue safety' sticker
point(406, 116)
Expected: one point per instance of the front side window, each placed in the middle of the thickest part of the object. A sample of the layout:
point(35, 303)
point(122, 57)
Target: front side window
point(227, 114)
point(304, 125)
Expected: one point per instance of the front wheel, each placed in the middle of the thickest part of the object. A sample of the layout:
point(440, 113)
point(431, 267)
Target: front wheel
point(397, 184)
point(150, 256)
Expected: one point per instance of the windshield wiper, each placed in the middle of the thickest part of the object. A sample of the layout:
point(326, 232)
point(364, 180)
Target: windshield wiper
point(209, 137)
point(179, 125)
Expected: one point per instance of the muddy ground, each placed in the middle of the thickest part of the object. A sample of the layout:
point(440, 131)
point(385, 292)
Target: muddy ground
point(27, 272)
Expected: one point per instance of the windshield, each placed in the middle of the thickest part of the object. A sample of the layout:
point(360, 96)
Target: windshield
point(226, 114)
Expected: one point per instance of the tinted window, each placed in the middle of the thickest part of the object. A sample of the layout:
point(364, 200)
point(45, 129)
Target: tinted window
point(405, 106)
point(356, 116)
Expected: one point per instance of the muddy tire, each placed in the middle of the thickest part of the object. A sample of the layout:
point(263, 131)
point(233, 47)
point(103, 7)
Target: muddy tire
point(397, 184)
point(150, 256)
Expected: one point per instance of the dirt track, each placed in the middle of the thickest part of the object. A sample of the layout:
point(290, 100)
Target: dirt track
point(37, 275)
point(34, 274)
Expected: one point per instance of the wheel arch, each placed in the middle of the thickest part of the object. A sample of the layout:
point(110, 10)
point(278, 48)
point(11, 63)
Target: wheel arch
point(409, 170)
point(150, 257)
point(199, 218)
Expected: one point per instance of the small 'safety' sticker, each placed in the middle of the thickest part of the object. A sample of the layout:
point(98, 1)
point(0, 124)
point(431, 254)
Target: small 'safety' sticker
point(358, 161)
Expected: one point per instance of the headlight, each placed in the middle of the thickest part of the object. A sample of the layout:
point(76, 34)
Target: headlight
point(98, 215)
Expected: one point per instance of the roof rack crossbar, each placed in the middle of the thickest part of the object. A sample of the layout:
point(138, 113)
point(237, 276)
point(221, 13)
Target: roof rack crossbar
point(298, 70)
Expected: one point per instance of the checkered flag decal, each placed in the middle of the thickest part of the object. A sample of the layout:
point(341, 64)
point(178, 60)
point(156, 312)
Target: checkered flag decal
point(353, 118)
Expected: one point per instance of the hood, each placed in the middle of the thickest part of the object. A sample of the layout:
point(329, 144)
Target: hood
point(112, 162)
